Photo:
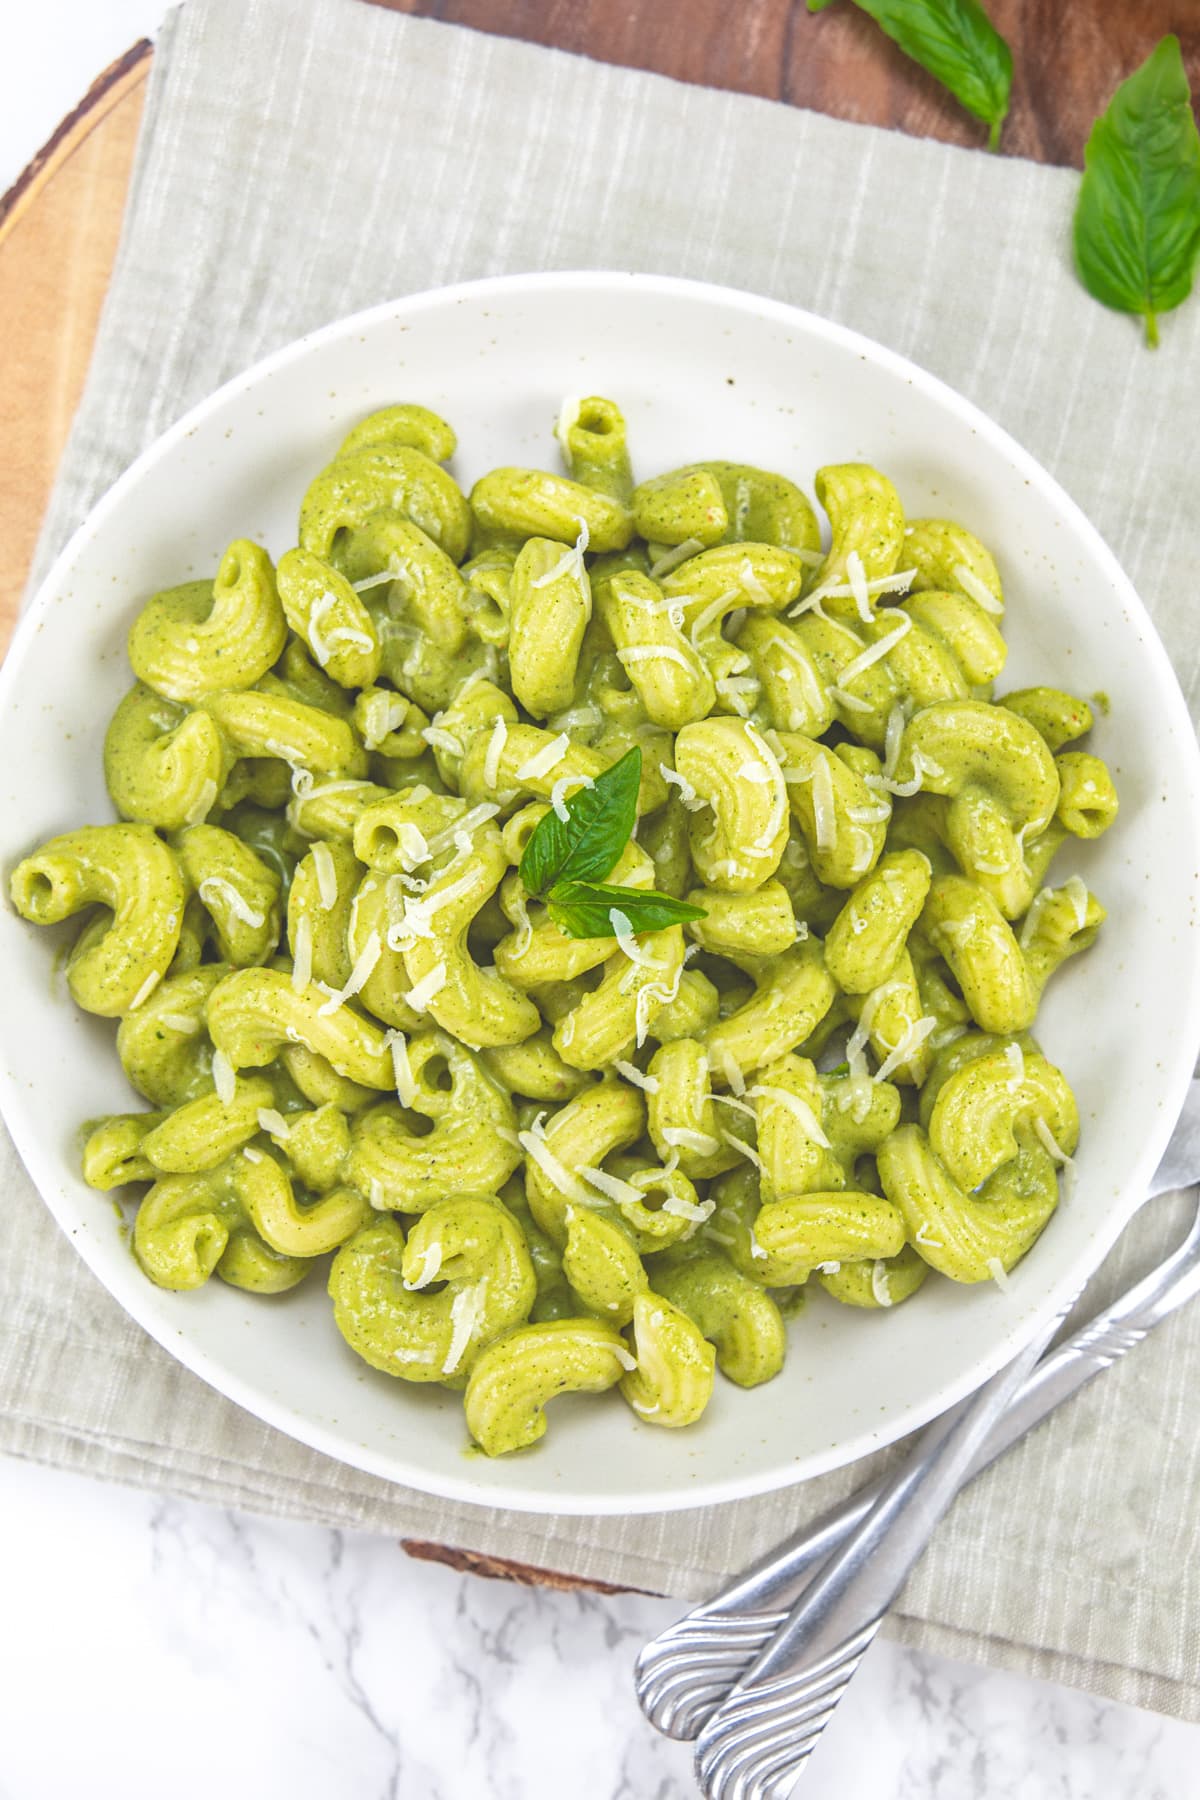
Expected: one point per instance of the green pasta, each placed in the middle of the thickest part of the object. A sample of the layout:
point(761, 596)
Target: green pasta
point(545, 1163)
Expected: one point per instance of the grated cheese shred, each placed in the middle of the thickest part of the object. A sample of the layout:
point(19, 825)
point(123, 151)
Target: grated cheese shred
point(224, 1079)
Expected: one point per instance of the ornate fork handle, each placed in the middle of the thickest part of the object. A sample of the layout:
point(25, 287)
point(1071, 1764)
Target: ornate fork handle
point(774, 1715)
point(683, 1673)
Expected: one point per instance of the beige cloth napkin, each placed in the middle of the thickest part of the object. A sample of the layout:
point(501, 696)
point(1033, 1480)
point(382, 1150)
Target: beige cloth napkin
point(296, 164)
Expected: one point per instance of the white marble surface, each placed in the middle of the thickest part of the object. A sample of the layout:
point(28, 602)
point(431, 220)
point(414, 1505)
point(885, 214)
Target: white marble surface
point(157, 1650)
point(161, 1650)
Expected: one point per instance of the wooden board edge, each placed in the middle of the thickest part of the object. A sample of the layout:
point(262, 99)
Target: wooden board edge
point(107, 91)
point(499, 1568)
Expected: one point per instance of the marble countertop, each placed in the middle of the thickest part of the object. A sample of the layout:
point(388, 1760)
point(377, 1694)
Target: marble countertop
point(161, 1650)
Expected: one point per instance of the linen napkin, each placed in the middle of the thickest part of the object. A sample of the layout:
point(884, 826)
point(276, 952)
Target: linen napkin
point(298, 163)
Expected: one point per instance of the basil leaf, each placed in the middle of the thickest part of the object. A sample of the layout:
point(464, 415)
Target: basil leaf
point(585, 845)
point(959, 46)
point(1137, 220)
point(583, 909)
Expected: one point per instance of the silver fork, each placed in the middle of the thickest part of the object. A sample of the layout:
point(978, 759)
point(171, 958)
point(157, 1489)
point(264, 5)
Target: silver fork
point(758, 1739)
point(683, 1675)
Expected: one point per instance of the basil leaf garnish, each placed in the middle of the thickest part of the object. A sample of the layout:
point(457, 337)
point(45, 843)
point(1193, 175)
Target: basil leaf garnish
point(959, 46)
point(585, 845)
point(584, 909)
point(1137, 219)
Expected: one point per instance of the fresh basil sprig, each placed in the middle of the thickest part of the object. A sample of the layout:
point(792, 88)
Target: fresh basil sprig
point(1137, 220)
point(584, 909)
point(566, 860)
point(959, 46)
point(585, 845)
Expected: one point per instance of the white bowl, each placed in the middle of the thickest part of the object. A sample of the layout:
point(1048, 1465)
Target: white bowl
point(699, 372)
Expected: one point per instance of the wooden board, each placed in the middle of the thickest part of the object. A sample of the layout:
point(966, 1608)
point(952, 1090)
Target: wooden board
point(60, 223)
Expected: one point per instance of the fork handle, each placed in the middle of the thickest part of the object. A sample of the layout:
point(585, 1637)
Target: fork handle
point(684, 1672)
point(774, 1715)
point(1059, 1374)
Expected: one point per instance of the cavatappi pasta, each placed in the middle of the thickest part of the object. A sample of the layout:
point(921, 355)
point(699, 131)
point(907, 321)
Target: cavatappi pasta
point(542, 1162)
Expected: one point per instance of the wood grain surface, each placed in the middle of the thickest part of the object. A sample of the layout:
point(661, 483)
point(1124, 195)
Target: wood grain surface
point(60, 222)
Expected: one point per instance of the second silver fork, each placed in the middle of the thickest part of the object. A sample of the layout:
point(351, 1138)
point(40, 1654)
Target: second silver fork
point(684, 1674)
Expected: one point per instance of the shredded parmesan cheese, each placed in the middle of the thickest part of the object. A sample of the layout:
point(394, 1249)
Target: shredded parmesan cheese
point(626, 1359)
point(882, 647)
point(644, 653)
point(672, 558)
point(465, 1309)
point(545, 759)
point(743, 1148)
point(302, 954)
point(427, 989)
point(431, 1262)
point(418, 914)
point(731, 1100)
point(687, 793)
point(824, 812)
point(856, 575)
point(558, 793)
point(891, 742)
point(383, 713)
point(318, 642)
point(203, 803)
point(1060, 1156)
point(393, 573)
point(879, 1283)
point(326, 874)
point(570, 562)
point(696, 1210)
point(224, 1079)
point(406, 1085)
point(852, 702)
point(653, 990)
point(907, 1048)
point(1076, 892)
point(438, 738)
point(800, 1110)
point(495, 749)
point(622, 928)
point(998, 1273)
point(533, 1142)
point(180, 1022)
point(922, 765)
point(612, 1187)
point(976, 589)
point(740, 691)
point(468, 825)
point(147, 988)
point(632, 1074)
point(1014, 1056)
point(274, 1122)
point(360, 974)
point(701, 1143)
point(215, 891)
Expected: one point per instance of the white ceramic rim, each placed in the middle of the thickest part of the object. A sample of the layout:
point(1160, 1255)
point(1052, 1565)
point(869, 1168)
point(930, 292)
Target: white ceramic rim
point(1179, 1058)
